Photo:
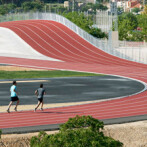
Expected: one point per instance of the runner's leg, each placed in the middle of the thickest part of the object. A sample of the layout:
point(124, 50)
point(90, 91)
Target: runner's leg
point(42, 105)
point(9, 106)
point(16, 105)
point(38, 104)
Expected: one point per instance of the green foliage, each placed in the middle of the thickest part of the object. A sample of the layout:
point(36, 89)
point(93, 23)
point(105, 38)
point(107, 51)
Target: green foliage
point(18, 2)
point(94, 7)
point(96, 32)
point(83, 121)
point(120, 10)
point(2, 10)
point(127, 27)
point(135, 10)
point(99, 7)
point(142, 23)
point(40, 140)
point(7, 8)
point(80, 131)
point(41, 74)
point(27, 6)
point(102, 1)
point(126, 22)
point(79, 19)
point(85, 23)
point(145, 10)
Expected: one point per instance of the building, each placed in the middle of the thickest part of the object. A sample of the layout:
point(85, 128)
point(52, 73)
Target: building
point(122, 4)
point(133, 4)
point(66, 4)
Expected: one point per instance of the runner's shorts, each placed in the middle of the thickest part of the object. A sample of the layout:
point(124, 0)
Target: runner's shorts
point(40, 99)
point(13, 99)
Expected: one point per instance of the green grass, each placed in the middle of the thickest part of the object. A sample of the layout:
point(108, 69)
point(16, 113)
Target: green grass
point(42, 74)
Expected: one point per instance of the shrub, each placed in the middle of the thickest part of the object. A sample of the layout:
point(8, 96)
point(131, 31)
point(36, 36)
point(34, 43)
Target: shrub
point(80, 131)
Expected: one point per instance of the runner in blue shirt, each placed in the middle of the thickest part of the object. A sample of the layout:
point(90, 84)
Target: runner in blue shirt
point(14, 96)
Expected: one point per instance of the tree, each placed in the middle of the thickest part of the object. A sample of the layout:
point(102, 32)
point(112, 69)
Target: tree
point(142, 23)
point(135, 10)
point(27, 6)
point(80, 131)
point(19, 2)
point(85, 23)
point(3, 11)
point(126, 23)
point(94, 7)
point(7, 8)
point(101, 1)
point(145, 10)
point(120, 10)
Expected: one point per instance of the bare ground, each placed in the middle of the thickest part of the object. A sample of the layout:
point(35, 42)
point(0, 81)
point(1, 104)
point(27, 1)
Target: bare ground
point(17, 68)
point(131, 134)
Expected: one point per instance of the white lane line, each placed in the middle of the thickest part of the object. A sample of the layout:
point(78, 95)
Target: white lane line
point(29, 81)
point(65, 115)
point(98, 109)
point(35, 42)
point(49, 45)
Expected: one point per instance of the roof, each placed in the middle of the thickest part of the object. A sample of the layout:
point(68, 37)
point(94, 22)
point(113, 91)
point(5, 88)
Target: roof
point(137, 6)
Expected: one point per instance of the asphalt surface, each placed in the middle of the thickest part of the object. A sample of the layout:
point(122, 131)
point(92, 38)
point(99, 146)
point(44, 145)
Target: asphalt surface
point(73, 89)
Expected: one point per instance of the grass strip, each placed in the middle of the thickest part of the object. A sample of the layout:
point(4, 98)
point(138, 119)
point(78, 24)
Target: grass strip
point(42, 74)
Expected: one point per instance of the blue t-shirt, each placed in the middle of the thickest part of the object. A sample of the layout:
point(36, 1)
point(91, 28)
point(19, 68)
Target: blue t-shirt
point(13, 93)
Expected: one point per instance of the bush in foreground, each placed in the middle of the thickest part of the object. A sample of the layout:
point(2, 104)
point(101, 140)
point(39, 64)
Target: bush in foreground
point(80, 131)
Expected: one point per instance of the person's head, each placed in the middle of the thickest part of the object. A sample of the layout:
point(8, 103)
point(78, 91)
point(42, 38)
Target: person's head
point(41, 85)
point(14, 82)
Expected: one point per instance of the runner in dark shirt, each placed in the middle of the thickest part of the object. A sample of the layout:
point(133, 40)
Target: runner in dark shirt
point(40, 92)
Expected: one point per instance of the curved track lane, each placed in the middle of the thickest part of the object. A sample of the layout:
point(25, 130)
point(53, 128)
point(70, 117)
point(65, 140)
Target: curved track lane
point(57, 41)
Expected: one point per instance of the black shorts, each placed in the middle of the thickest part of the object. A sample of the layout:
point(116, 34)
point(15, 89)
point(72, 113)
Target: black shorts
point(13, 99)
point(40, 99)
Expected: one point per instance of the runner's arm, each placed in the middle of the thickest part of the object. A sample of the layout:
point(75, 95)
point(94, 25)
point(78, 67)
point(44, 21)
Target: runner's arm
point(15, 91)
point(36, 92)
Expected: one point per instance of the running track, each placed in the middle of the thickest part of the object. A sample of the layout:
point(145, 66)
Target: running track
point(57, 41)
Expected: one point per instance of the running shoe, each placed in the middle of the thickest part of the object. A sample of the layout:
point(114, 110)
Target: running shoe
point(15, 109)
point(8, 110)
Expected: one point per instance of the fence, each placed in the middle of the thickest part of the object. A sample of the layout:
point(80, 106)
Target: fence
point(105, 45)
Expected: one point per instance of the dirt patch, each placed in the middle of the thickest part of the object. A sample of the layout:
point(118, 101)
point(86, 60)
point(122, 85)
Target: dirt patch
point(131, 134)
point(17, 68)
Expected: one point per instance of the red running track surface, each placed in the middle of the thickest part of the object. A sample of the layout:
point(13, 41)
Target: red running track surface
point(57, 41)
